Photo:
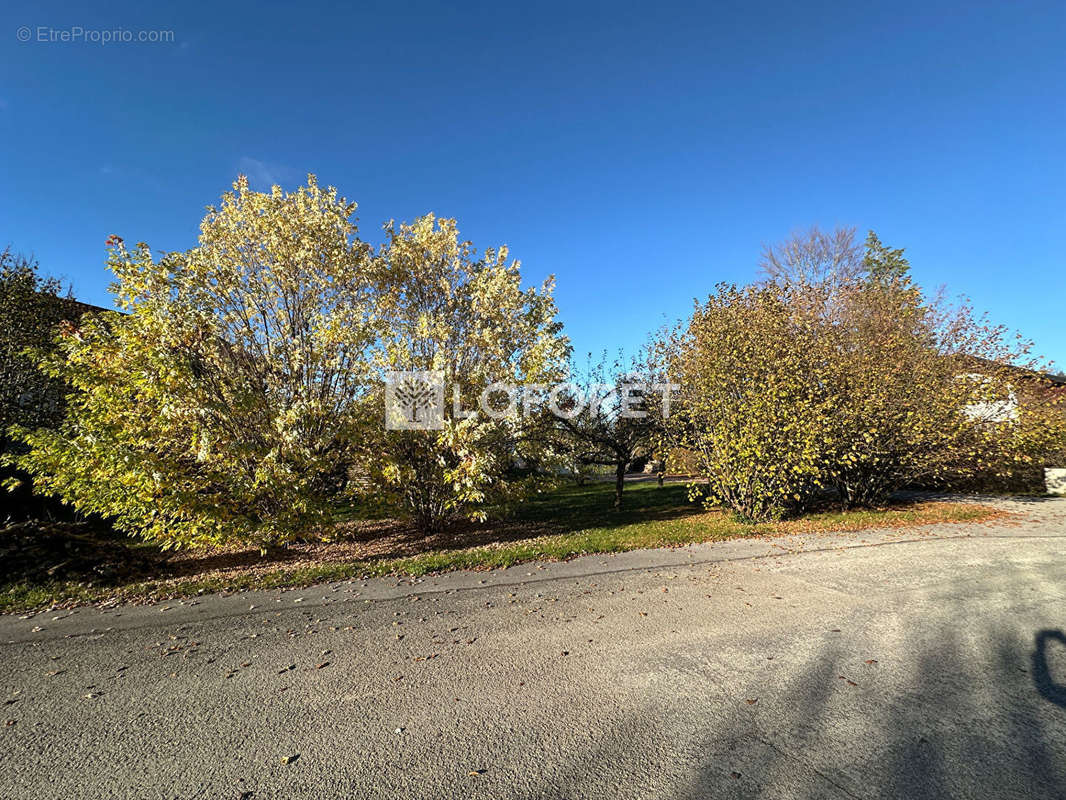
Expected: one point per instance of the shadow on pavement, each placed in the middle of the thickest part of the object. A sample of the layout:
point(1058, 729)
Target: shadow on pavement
point(950, 711)
point(1042, 677)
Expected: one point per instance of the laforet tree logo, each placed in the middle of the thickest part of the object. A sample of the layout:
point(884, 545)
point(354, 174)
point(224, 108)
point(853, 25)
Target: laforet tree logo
point(415, 398)
point(414, 401)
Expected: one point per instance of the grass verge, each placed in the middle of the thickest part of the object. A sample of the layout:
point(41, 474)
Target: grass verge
point(578, 521)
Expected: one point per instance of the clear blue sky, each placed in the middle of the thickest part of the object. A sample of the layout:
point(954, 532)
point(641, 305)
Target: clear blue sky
point(641, 152)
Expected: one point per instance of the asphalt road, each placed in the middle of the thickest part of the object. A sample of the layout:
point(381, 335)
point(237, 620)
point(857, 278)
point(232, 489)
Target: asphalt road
point(923, 663)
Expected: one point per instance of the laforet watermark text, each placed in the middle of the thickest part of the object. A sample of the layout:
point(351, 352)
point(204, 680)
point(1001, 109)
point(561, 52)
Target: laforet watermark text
point(417, 400)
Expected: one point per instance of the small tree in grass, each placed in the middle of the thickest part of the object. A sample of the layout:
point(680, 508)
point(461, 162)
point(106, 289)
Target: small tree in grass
point(611, 417)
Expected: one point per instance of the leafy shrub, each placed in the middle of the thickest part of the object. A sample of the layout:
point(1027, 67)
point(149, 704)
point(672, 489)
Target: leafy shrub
point(239, 397)
point(753, 408)
point(221, 405)
point(796, 393)
point(447, 308)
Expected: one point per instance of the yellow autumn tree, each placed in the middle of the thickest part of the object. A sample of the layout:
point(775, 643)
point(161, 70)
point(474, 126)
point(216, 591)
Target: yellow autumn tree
point(224, 402)
point(466, 316)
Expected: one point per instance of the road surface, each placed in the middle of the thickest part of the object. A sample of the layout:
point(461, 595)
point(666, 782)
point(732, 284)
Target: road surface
point(921, 663)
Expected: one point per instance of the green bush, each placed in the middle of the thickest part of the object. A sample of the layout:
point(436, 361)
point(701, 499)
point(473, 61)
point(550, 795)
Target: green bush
point(794, 394)
point(754, 410)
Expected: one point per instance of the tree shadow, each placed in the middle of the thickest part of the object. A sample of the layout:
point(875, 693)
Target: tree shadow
point(949, 711)
point(1033, 499)
point(1025, 499)
point(964, 723)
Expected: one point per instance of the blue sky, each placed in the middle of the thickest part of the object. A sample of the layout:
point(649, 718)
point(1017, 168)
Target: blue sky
point(640, 152)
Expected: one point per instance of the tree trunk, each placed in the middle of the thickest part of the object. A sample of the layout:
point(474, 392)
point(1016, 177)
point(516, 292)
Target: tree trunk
point(661, 476)
point(619, 482)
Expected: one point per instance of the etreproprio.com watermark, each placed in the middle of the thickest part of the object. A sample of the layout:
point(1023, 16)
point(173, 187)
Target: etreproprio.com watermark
point(415, 400)
point(77, 34)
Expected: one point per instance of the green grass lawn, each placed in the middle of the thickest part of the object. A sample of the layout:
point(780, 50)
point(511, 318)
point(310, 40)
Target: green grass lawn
point(550, 526)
